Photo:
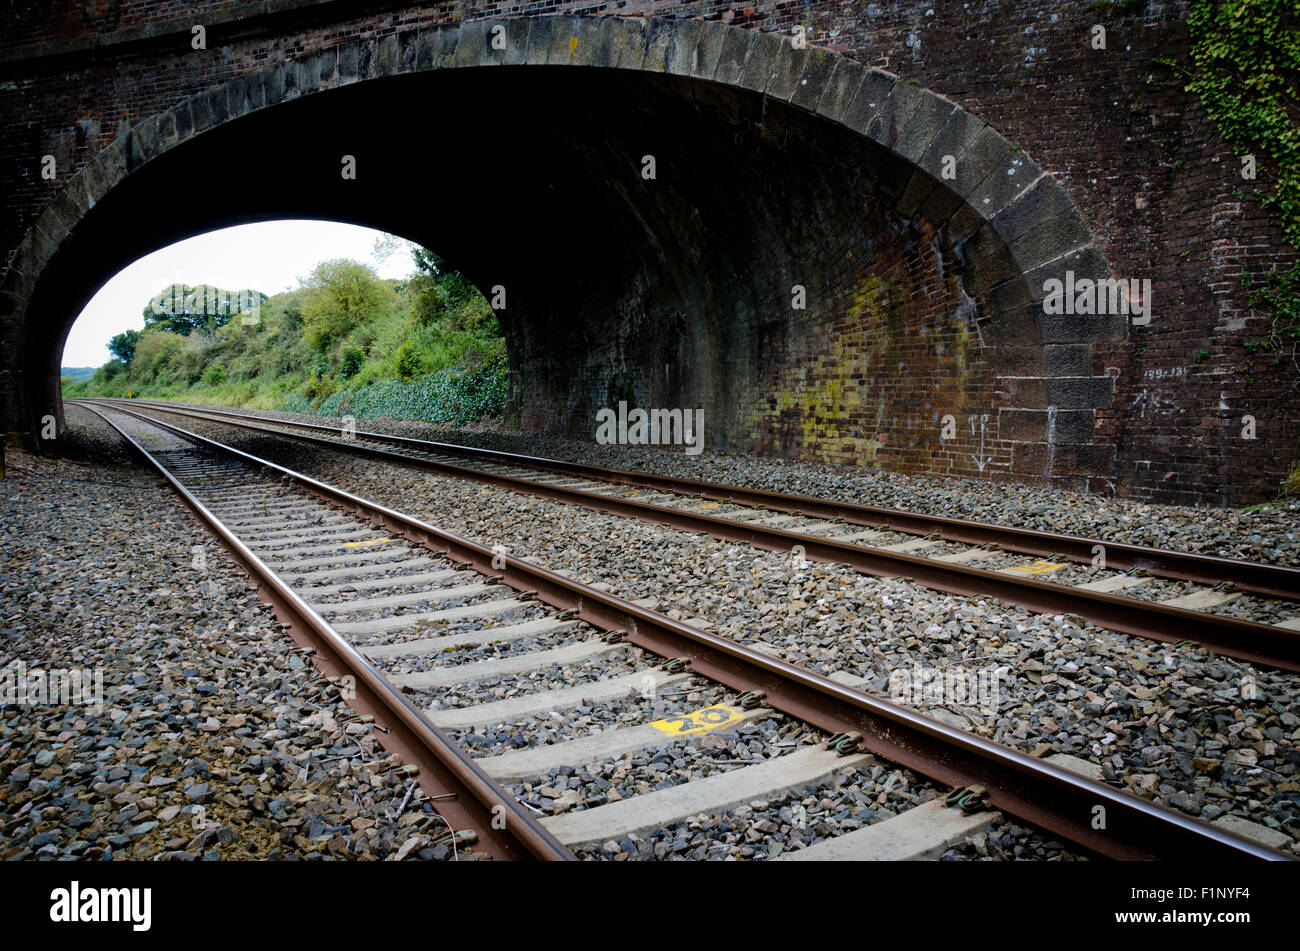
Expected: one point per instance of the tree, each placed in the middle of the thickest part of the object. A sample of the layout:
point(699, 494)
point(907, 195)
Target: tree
point(386, 245)
point(429, 299)
point(122, 346)
point(439, 291)
point(457, 286)
point(183, 309)
point(110, 371)
point(338, 296)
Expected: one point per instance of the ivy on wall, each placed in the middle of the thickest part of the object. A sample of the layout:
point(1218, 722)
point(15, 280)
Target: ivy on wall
point(1246, 55)
point(1245, 68)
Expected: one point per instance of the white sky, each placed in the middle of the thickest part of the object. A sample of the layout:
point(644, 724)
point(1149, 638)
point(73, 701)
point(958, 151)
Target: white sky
point(269, 257)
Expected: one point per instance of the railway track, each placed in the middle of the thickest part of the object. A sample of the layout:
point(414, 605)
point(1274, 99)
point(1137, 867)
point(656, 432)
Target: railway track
point(1245, 610)
point(388, 601)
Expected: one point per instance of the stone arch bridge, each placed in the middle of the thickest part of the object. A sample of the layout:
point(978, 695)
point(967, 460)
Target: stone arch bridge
point(912, 173)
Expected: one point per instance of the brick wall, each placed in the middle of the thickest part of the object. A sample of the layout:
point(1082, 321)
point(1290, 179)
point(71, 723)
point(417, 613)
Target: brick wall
point(1160, 192)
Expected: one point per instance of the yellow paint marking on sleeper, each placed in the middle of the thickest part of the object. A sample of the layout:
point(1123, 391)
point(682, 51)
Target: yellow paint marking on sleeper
point(371, 541)
point(699, 722)
point(1038, 568)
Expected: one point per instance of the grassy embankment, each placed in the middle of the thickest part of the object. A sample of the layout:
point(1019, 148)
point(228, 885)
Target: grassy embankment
point(346, 342)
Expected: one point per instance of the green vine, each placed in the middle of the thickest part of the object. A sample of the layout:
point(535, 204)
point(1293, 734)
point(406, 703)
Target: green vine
point(1245, 68)
point(1246, 59)
point(1277, 292)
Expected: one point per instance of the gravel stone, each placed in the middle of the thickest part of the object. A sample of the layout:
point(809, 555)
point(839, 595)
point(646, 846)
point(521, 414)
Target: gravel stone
point(206, 729)
point(1174, 724)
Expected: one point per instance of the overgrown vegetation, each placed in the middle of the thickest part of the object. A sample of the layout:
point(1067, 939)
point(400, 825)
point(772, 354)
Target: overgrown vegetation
point(1245, 68)
point(1246, 71)
point(1276, 293)
point(1291, 484)
point(345, 342)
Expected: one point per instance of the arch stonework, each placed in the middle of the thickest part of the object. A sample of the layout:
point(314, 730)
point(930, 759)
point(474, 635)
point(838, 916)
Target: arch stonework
point(1008, 220)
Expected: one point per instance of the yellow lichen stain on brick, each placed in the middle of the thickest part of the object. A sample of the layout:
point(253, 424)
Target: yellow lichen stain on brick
point(863, 385)
point(823, 400)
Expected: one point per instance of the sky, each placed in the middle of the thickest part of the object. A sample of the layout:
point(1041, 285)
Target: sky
point(269, 257)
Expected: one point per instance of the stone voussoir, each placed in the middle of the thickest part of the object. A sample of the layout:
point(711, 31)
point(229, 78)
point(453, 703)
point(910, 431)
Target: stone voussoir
point(812, 84)
point(684, 50)
point(761, 64)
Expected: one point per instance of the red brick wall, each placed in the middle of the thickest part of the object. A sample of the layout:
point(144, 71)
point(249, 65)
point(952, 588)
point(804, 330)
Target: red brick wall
point(1134, 153)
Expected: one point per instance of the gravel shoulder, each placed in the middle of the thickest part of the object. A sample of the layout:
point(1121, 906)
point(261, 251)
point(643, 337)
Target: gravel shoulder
point(210, 735)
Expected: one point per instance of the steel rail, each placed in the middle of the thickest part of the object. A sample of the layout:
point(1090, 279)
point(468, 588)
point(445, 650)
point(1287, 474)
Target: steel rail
point(1263, 644)
point(1099, 818)
point(1257, 577)
point(466, 795)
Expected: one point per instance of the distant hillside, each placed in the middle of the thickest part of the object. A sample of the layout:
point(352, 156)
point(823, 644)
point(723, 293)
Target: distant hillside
point(77, 373)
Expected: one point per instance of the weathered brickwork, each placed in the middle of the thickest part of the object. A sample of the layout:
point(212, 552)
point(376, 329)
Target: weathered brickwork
point(923, 298)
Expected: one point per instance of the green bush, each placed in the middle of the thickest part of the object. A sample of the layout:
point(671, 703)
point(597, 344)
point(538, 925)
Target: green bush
point(214, 375)
point(1291, 485)
point(408, 362)
point(318, 388)
point(340, 295)
point(350, 362)
point(109, 371)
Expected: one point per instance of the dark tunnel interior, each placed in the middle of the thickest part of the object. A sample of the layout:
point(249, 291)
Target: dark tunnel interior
point(675, 289)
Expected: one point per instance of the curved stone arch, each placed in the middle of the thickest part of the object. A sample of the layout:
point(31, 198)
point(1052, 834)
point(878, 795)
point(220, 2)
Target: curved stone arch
point(1010, 221)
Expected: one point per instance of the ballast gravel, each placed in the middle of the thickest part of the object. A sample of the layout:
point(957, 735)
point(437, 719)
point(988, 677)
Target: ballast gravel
point(205, 732)
point(1130, 707)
